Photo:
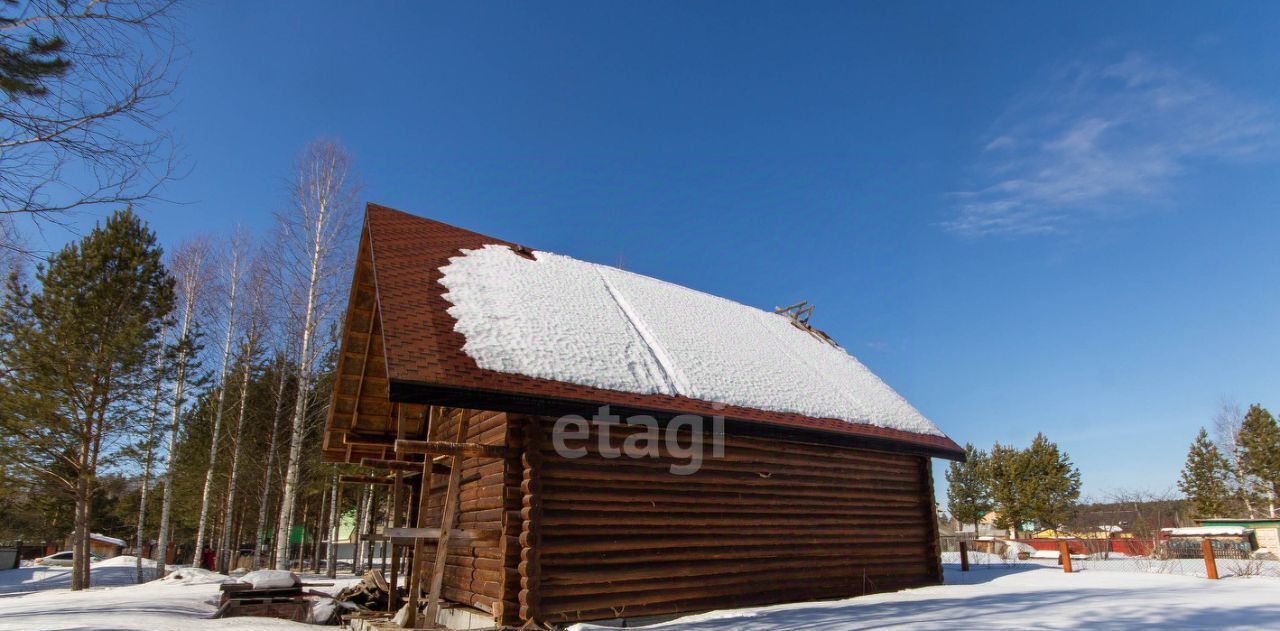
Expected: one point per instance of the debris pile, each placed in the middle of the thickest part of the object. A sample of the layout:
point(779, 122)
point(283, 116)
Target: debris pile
point(366, 598)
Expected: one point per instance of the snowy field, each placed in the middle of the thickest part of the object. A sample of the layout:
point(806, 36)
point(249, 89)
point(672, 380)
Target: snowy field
point(1014, 596)
point(109, 573)
point(37, 598)
point(1023, 596)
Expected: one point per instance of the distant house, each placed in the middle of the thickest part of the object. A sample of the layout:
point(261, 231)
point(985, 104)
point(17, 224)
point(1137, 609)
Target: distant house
point(986, 526)
point(1266, 531)
point(1186, 542)
point(101, 545)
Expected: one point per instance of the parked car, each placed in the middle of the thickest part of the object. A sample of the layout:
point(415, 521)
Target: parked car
point(64, 559)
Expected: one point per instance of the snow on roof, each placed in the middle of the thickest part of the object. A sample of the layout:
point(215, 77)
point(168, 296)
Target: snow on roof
point(1207, 531)
point(105, 539)
point(566, 320)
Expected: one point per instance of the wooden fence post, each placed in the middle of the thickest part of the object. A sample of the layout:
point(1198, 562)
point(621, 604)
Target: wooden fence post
point(1210, 563)
point(1064, 555)
point(964, 556)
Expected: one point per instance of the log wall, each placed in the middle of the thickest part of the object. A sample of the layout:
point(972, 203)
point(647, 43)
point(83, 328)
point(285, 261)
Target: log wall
point(769, 522)
point(473, 575)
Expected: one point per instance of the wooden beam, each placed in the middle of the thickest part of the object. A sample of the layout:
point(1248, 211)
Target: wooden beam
point(401, 465)
point(393, 594)
point(470, 537)
point(434, 415)
point(444, 448)
point(363, 479)
point(449, 518)
point(365, 440)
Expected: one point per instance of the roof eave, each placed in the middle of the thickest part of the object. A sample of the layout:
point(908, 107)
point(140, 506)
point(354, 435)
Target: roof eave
point(855, 435)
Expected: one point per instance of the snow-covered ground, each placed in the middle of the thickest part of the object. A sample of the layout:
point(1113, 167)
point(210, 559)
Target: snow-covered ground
point(38, 599)
point(112, 572)
point(1012, 596)
point(1024, 596)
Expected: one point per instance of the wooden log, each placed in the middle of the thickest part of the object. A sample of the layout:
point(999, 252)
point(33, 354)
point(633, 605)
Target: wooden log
point(685, 600)
point(443, 448)
point(448, 519)
point(650, 484)
point(435, 415)
point(569, 565)
point(849, 573)
point(530, 565)
point(1210, 561)
point(401, 465)
point(554, 577)
point(470, 537)
point(363, 479)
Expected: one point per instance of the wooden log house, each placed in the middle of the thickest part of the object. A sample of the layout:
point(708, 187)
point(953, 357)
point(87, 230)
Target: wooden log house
point(458, 415)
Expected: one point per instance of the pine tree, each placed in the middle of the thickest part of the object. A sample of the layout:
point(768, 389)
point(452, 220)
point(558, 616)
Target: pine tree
point(1052, 484)
point(25, 68)
point(1004, 471)
point(1205, 478)
point(968, 494)
point(1259, 457)
point(76, 356)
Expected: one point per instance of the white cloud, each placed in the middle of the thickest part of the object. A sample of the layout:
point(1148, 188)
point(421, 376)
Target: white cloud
point(1100, 141)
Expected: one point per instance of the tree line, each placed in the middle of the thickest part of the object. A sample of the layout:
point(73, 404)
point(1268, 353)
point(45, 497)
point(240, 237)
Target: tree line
point(1238, 471)
point(1037, 486)
point(179, 396)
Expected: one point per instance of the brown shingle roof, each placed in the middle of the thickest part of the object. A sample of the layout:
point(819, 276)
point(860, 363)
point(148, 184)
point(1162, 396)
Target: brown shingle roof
point(425, 361)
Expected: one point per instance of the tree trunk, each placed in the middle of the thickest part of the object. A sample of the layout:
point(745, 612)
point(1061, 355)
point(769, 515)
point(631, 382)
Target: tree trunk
point(298, 430)
point(220, 408)
point(179, 391)
point(235, 462)
point(146, 467)
point(80, 536)
point(358, 531)
point(271, 456)
point(319, 530)
point(366, 523)
point(335, 521)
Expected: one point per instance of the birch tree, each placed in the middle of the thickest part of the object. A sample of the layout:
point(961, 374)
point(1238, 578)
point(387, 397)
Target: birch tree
point(188, 268)
point(314, 235)
point(235, 260)
point(148, 457)
point(281, 379)
point(255, 323)
point(335, 520)
point(1227, 422)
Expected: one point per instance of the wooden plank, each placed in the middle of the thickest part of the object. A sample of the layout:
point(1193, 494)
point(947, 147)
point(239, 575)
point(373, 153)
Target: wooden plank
point(448, 519)
point(395, 521)
point(419, 551)
point(363, 479)
point(456, 448)
point(401, 465)
point(460, 536)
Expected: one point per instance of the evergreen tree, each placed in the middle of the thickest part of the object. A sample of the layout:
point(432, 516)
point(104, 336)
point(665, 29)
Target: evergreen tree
point(26, 65)
point(968, 494)
point(1052, 484)
point(76, 356)
point(1004, 471)
point(1205, 478)
point(1259, 457)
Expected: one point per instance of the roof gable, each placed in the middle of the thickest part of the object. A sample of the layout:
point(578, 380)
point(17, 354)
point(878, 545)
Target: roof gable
point(433, 330)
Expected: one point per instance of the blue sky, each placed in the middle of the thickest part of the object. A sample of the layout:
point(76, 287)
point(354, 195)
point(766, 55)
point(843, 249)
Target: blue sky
point(1023, 218)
